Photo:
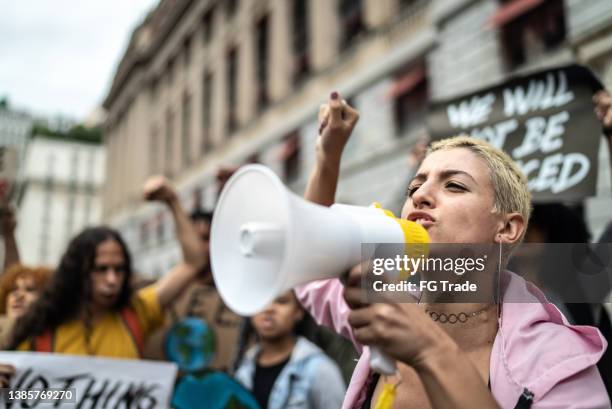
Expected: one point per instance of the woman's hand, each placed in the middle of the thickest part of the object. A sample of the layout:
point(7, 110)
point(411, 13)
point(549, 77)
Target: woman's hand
point(603, 108)
point(158, 188)
point(402, 330)
point(336, 122)
point(6, 372)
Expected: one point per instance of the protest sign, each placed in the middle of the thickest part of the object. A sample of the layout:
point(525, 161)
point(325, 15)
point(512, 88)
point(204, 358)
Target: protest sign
point(88, 382)
point(544, 121)
point(202, 301)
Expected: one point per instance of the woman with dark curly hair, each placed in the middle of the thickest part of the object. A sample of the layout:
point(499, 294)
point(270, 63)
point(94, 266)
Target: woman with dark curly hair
point(89, 307)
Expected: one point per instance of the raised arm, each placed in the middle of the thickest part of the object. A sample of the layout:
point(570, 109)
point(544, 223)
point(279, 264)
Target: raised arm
point(337, 120)
point(169, 287)
point(8, 224)
point(603, 110)
point(323, 299)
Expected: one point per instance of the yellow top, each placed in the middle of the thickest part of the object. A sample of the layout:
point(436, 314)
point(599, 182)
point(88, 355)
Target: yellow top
point(109, 336)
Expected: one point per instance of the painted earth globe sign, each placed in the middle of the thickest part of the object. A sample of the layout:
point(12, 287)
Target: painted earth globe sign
point(190, 343)
point(212, 390)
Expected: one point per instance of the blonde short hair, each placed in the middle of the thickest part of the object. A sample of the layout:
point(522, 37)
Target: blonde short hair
point(510, 191)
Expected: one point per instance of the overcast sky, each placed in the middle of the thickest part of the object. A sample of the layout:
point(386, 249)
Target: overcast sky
point(59, 57)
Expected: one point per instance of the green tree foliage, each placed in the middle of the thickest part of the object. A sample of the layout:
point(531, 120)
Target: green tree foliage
point(77, 133)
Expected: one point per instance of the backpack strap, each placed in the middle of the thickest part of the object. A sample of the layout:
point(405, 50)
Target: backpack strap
point(132, 323)
point(525, 400)
point(45, 342)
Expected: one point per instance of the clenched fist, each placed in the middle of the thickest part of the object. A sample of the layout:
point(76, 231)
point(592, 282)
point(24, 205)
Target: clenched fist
point(158, 188)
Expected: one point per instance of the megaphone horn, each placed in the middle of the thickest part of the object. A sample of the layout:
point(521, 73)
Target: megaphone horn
point(266, 240)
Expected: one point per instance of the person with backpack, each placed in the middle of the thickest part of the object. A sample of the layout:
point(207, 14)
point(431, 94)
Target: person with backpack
point(89, 307)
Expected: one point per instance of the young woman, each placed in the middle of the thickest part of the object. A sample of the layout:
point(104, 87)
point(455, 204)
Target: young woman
point(505, 355)
point(20, 287)
point(285, 370)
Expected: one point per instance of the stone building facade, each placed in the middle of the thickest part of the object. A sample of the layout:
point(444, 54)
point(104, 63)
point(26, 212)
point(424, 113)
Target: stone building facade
point(222, 82)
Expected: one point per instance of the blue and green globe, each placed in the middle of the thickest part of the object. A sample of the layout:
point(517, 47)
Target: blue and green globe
point(211, 390)
point(191, 344)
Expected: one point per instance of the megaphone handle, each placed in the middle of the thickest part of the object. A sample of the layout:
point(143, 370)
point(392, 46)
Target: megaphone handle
point(381, 362)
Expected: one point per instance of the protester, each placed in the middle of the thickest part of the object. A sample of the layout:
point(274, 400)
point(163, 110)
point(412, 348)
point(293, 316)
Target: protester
point(20, 287)
point(89, 307)
point(507, 355)
point(603, 110)
point(201, 300)
point(8, 223)
point(284, 369)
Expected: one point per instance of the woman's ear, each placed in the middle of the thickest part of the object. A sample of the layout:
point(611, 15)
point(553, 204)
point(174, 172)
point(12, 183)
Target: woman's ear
point(299, 315)
point(510, 229)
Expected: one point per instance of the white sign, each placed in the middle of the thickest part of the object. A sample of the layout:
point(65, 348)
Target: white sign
point(87, 382)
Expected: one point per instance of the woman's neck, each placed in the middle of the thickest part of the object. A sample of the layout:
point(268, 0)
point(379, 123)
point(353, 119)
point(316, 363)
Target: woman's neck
point(275, 350)
point(93, 312)
point(472, 326)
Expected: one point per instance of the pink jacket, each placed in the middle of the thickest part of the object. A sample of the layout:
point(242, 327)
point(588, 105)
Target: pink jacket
point(535, 348)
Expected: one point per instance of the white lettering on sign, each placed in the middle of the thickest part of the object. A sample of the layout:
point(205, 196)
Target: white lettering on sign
point(557, 172)
point(539, 95)
point(542, 134)
point(470, 113)
point(496, 134)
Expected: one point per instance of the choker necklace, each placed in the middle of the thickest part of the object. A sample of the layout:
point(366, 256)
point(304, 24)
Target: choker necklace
point(452, 318)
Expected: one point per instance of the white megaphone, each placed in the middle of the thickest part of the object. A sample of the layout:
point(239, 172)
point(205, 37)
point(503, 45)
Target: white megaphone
point(266, 240)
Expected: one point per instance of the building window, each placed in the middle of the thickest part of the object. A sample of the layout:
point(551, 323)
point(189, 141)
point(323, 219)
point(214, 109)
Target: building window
point(170, 71)
point(186, 131)
point(262, 36)
point(529, 29)
point(301, 62)
point(253, 158)
point(410, 94)
point(207, 84)
point(232, 90)
point(231, 6)
point(198, 198)
point(208, 26)
point(154, 88)
point(159, 228)
point(187, 51)
point(168, 168)
point(351, 21)
point(153, 151)
point(290, 156)
point(144, 234)
point(407, 4)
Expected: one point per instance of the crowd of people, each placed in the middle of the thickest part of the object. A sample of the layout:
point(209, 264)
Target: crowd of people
point(461, 190)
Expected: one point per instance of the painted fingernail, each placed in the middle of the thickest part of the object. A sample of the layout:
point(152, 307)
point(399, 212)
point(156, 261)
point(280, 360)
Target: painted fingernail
point(334, 95)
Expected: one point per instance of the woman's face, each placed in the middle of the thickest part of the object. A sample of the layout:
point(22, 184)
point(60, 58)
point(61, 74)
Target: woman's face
point(279, 318)
point(108, 275)
point(451, 196)
point(23, 294)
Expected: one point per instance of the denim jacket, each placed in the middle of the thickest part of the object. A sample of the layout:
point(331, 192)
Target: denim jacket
point(310, 380)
